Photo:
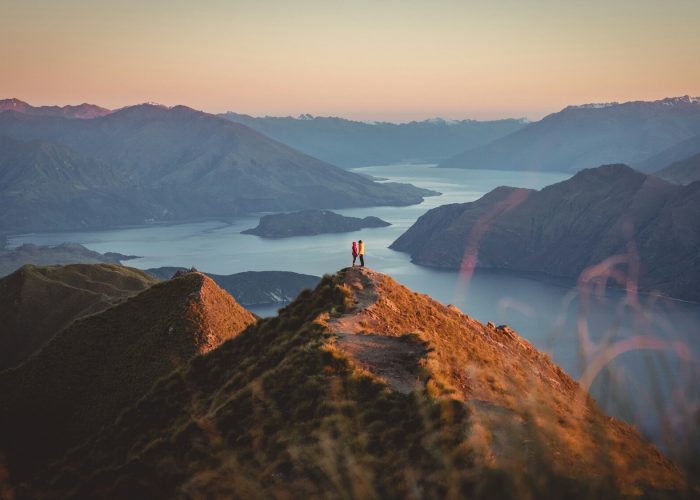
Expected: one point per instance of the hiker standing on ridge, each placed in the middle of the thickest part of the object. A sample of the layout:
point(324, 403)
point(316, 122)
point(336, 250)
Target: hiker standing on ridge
point(361, 252)
point(354, 253)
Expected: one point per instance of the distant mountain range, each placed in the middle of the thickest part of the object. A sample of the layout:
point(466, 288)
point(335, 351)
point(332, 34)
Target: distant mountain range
point(149, 162)
point(348, 143)
point(359, 388)
point(606, 220)
point(590, 135)
point(85, 110)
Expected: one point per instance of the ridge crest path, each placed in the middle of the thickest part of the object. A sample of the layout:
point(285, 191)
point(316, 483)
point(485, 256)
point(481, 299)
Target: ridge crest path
point(394, 359)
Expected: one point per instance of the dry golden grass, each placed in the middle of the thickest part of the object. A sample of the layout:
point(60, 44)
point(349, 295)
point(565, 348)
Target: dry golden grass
point(102, 363)
point(281, 411)
point(514, 391)
point(37, 302)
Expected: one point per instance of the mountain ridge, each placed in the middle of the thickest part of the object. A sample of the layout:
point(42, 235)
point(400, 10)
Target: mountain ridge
point(100, 364)
point(38, 302)
point(569, 227)
point(83, 111)
point(158, 163)
point(585, 136)
point(350, 143)
point(312, 403)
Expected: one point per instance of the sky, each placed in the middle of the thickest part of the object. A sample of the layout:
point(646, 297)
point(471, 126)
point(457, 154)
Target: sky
point(369, 60)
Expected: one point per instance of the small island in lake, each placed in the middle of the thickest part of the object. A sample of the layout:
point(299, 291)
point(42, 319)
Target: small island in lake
point(311, 222)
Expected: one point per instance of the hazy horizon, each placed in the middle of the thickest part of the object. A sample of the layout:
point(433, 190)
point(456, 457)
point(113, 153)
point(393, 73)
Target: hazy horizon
point(392, 61)
point(335, 115)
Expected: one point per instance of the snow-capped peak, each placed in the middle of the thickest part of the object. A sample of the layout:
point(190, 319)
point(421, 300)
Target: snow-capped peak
point(686, 99)
point(441, 121)
point(595, 105)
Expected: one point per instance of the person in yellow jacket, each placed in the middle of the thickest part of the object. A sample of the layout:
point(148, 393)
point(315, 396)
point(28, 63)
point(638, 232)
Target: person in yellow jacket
point(361, 252)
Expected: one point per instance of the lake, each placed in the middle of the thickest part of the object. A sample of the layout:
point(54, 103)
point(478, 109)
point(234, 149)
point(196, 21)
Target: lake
point(648, 380)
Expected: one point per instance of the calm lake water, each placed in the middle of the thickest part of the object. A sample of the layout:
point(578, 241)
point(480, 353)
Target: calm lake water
point(649, 381)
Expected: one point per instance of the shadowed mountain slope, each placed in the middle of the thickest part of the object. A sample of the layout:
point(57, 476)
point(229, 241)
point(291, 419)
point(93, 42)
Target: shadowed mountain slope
point(47, 185)
point(585, 136)
point(363, 388)
point(153, 162)
point(101, 364)
point(349, 143)
point(683, 171)
point(37, 302)
point(677, 152)
point(603, 220)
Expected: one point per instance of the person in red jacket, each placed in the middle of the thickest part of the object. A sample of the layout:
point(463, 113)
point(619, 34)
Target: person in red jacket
point(354, 253)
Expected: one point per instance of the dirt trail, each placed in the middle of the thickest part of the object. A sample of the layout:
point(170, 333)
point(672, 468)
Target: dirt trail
point(394, 359)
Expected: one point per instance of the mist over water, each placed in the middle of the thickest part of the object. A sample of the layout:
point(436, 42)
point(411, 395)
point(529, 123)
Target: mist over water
point(652, 385)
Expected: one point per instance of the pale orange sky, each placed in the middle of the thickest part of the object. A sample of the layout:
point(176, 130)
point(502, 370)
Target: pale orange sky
point(373, 60)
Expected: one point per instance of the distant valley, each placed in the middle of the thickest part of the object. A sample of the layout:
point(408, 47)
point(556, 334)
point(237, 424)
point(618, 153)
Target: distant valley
point(349, 143)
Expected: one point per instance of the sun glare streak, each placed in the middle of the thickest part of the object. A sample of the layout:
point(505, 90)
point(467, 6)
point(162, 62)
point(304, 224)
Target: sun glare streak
point(471, 252)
